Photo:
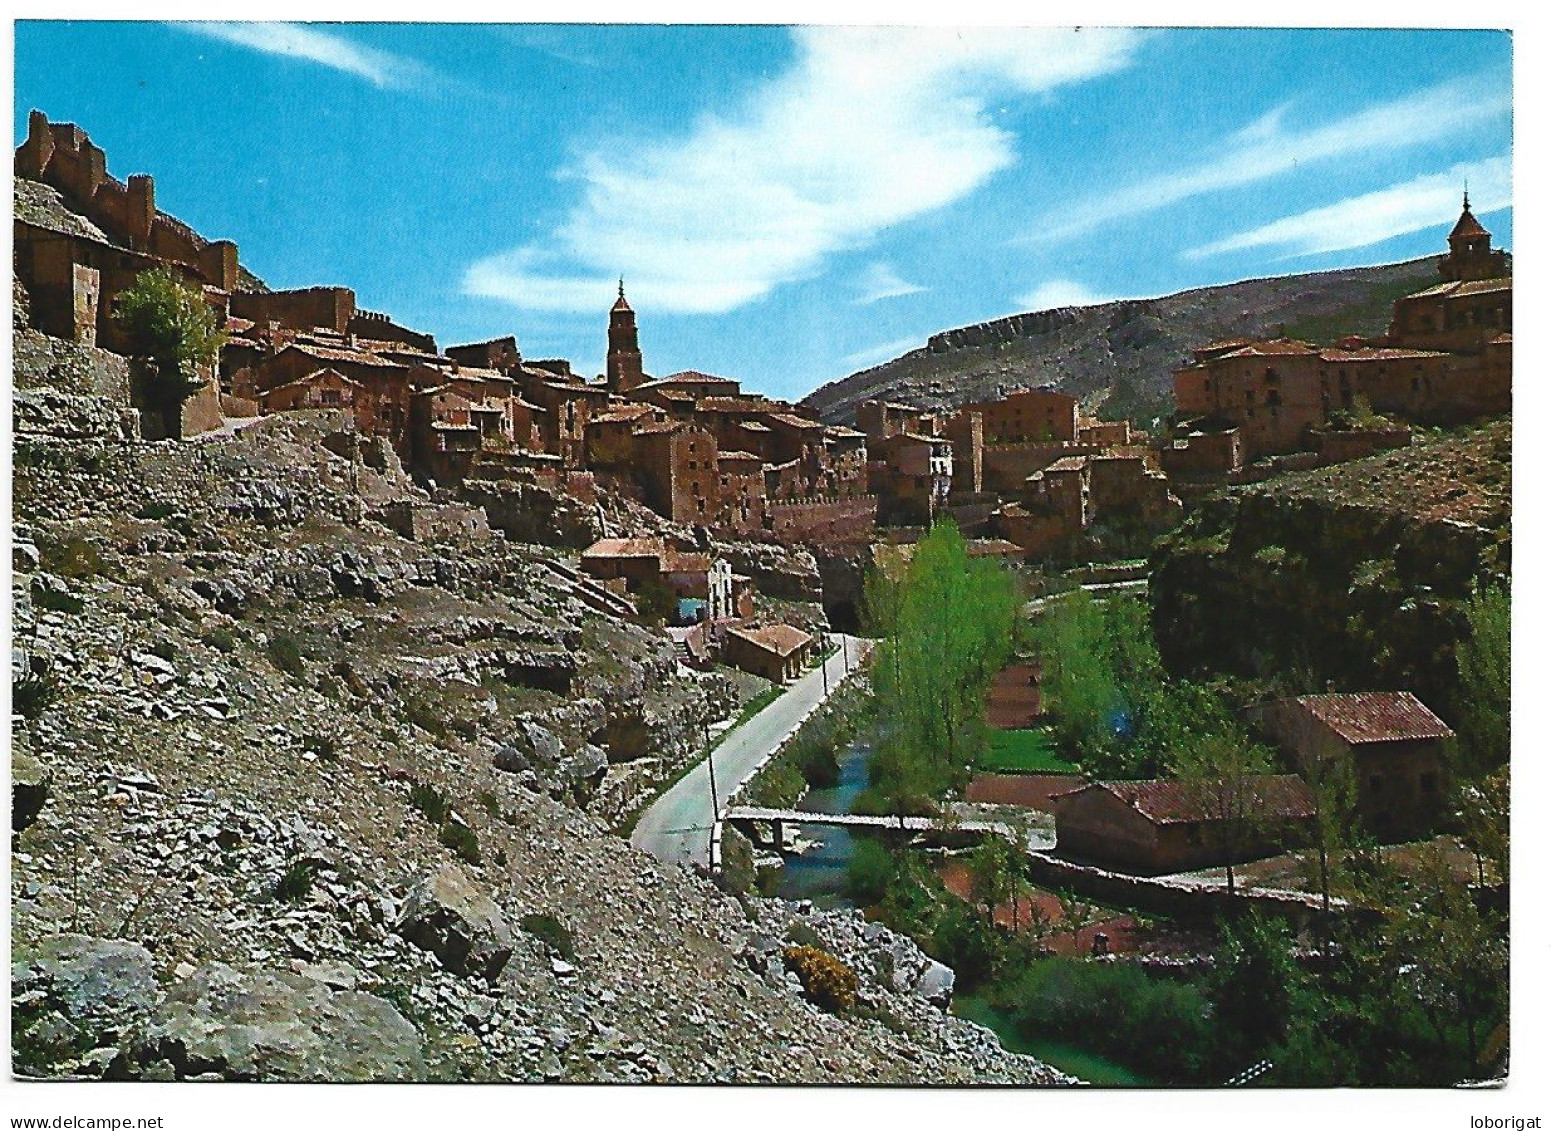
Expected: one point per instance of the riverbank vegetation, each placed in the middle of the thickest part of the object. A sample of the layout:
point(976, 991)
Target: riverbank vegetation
point(810, 759)
point(946, 624)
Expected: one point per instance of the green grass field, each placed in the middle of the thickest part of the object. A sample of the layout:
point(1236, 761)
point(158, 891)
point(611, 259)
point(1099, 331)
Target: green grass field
point(1024, 752)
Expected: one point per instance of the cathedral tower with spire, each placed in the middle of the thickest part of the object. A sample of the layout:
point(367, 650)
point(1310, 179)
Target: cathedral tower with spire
point(624, 360)
point(1471, 257)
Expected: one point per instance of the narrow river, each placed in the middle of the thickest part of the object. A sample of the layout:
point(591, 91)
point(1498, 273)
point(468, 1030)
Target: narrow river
point(820, 873)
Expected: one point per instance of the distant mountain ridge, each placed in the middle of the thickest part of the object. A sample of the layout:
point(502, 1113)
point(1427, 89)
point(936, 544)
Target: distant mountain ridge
point(1118, 356)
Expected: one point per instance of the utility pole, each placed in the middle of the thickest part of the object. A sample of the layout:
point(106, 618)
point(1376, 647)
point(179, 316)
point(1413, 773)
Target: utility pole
point(716, 809)
point(824, 662)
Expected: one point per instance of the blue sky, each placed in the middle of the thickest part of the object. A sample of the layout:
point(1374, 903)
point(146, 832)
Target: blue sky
point(786, 205)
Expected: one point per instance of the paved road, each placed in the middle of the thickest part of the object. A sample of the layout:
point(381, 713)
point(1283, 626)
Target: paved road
point(677, 827)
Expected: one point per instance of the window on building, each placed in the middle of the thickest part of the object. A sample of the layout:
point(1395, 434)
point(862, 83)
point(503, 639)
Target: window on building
point(700, 506)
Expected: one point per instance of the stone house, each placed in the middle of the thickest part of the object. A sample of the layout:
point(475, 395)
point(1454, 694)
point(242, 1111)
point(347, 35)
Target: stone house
point(778, 652)
point(1028, 415)
point(878, 419)
point(381, 402)
point(322, 388)
point(1447, 357)
point(497, 353)
point(1156, 827)
point(911, 474)
point(1392, 743)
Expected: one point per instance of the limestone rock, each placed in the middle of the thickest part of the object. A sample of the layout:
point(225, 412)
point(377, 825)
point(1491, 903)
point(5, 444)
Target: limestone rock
point(274, 1025)
point(449, 916)
point(101, 983)
point(936, 984)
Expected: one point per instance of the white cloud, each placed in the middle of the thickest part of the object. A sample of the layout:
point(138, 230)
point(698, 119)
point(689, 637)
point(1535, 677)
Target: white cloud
point(1359, 221)
point(1266, 148)
point(868, 128)
point(304, 41)
point(881, 281)
point(1059, 292)
point(877, 355)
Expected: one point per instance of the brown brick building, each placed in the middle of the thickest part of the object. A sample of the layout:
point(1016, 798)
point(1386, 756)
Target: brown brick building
point(1156, 827)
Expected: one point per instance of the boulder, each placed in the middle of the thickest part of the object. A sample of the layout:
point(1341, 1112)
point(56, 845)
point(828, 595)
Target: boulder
point(531, 747)
point(272, 1025)
point(449, 916)
point(936, 984)
point(99, 983)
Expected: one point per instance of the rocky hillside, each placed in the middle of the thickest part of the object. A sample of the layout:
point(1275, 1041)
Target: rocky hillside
point(1118, 356)
point(1353, 575)
point(298, 796)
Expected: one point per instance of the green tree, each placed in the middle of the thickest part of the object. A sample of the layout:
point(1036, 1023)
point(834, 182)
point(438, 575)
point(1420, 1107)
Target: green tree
point(1454, 957)
point(655, 602)
point(1222, 771)
point(993, 871)
point(1253, 981)
point(1483, 814)
point(1483, 659)
point(1334, 793)
point(949, 622)
point(171, 332)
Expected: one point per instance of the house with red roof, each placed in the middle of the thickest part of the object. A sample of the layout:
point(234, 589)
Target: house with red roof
point(1393, 745)
point(1155, 827)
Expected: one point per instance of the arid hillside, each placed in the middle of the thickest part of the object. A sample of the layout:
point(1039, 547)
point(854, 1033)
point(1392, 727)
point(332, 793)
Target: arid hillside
point(1118, 356)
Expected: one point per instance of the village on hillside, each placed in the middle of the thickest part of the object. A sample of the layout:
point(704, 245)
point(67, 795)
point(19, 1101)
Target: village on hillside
point(1144, 750)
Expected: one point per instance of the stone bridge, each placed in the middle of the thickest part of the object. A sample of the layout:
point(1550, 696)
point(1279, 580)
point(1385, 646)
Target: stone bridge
point(745, 816)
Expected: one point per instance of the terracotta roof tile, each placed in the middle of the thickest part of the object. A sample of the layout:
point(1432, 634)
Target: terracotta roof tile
point(1376, 716)
point(782, 639)
point(1182, 802)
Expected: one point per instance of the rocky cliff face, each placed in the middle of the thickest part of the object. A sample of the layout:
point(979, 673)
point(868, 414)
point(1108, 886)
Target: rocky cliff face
point(1355, 574)
point(1120, 355)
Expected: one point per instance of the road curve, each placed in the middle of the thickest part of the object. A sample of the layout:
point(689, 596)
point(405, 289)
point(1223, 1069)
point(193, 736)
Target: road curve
point(676, 828)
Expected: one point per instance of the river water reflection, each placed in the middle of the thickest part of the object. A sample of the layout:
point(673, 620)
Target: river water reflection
point(820, 873)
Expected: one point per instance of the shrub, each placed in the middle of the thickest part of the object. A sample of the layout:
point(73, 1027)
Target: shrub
point(868, 873)
point(430, 801)
point(489, 802)
point(1159, 1027)
point(221, 639)
point(463, 840)
point(157, 511)
point(296, 882)
point(963, 939)
point(829, 983)
point(165, 649)
point(323, 746)
point(31, 694)
point(551, 932)
point(74, 558)
point(58, 601)
point(286, 654)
